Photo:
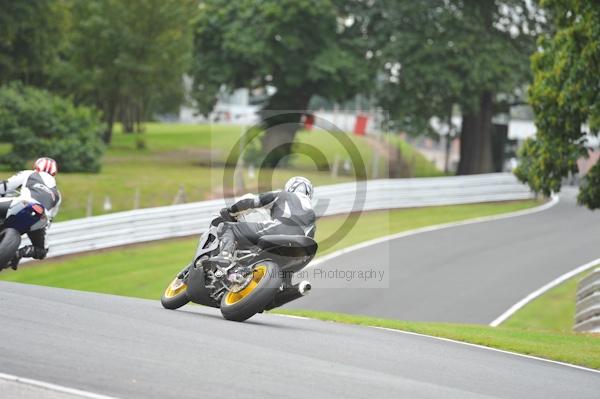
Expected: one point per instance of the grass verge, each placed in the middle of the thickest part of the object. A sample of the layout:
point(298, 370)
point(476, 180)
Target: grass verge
point(552, 311)
point(190, 157)
point(144, 270)
point(579, 349)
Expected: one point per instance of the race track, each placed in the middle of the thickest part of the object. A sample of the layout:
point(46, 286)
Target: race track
point(471, 273)
point(133, 348)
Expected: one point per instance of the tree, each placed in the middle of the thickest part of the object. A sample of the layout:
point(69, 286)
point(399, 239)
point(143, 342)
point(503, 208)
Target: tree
point(301, 47)
point(37, 123)
point(565, 97)
point(31, 35)
point(441, 53)
point(125, 54)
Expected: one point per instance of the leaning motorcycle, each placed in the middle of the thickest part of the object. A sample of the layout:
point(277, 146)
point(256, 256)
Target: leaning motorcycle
point(18, 216)
point(258, 278)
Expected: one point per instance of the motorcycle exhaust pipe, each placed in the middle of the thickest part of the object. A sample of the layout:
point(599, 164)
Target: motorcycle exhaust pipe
point(290, 294)
point(304, 287)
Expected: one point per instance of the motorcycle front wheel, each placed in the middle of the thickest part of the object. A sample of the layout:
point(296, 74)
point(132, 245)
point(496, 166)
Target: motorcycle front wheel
point(260, 291)
point(10, 239)
point(175, 295)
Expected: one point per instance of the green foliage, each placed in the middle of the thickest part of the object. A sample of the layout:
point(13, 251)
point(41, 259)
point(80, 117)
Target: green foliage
point(301, 47)
point(31, 35)
point(564, 97)
point(128, 57)
point(439, 53)
point(590, 188)
point(37, 123)
point(440, 56)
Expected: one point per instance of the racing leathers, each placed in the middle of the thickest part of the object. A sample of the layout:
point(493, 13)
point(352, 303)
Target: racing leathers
point(42, 188)
point(291, 214)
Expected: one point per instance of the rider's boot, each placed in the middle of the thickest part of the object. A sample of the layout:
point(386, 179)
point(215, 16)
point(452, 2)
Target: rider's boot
point(225, 256)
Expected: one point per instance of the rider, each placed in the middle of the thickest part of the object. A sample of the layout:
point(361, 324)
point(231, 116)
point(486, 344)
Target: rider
point(42, 185)
point(291, 213)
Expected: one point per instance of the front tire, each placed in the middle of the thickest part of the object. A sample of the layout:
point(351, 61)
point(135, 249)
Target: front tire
point(10, 239)
point(175, 295)
point(240, 306)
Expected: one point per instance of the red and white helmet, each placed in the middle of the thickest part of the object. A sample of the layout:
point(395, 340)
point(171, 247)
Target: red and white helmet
point(47, 165)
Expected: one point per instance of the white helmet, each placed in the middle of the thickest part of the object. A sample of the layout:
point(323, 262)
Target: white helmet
point(300, 185)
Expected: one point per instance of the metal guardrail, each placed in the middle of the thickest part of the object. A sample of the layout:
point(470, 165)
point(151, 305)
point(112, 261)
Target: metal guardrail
point(189, 219)
point(587, 310)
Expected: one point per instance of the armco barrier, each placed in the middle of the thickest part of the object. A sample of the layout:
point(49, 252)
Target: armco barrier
point(188, 219)
point(587, 310)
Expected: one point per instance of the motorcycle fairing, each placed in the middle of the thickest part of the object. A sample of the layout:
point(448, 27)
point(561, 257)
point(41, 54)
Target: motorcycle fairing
point(22, 217)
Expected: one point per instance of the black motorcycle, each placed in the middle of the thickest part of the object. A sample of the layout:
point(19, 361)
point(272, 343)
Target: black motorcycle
point(258, 278)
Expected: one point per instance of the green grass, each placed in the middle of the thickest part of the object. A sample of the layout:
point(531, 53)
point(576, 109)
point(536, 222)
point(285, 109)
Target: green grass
point(580, 349)
point(376, 224)
point(552, 311)
point(188, 156)
point(144, 270)
point(421, 166)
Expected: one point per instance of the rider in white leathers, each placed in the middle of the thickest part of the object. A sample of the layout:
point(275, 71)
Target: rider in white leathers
point(41, 184)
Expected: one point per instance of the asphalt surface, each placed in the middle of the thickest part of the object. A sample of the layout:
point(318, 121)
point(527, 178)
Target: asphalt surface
point(17, 390)
point(133, 348)
point(470, 273)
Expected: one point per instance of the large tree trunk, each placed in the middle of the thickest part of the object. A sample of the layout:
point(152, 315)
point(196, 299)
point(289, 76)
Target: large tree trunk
point(476, 138)
point(128, 117)
point(281, 120)
point(110, 121)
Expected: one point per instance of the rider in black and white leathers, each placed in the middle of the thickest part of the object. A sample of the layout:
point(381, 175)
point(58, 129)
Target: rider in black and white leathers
point(291, 213)
point(42, 188)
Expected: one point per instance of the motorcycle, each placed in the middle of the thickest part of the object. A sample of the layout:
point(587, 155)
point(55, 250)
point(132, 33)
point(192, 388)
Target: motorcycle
point(258, 278)
point(18, 216)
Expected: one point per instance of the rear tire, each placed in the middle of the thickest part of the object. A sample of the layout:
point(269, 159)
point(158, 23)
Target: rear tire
point(10, 239)
point(256, 296)
point(175, 295)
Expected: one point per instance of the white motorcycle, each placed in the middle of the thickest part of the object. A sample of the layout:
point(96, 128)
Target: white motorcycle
point(18, 215)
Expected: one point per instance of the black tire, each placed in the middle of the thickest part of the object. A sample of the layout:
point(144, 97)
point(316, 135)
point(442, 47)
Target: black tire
point(174, 299)
point(256, 296)
point(10, 239)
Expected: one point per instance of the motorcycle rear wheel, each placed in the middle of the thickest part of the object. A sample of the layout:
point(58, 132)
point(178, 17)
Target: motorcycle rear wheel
point(10, 239)
point(175, 295)
point(240, 306)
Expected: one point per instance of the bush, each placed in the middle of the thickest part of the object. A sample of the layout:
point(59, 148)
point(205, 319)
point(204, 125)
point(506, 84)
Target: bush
point(38, 123)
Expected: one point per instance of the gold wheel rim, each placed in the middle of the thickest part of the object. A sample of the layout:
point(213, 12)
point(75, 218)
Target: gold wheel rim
point(175, 288)
point(257, 275)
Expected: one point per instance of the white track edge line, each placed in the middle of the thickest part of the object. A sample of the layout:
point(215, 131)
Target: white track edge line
point(53, 387)
point(489, 348)
point(553, 201)
point(492, 349)
point(557, 281)
point(549, 204)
